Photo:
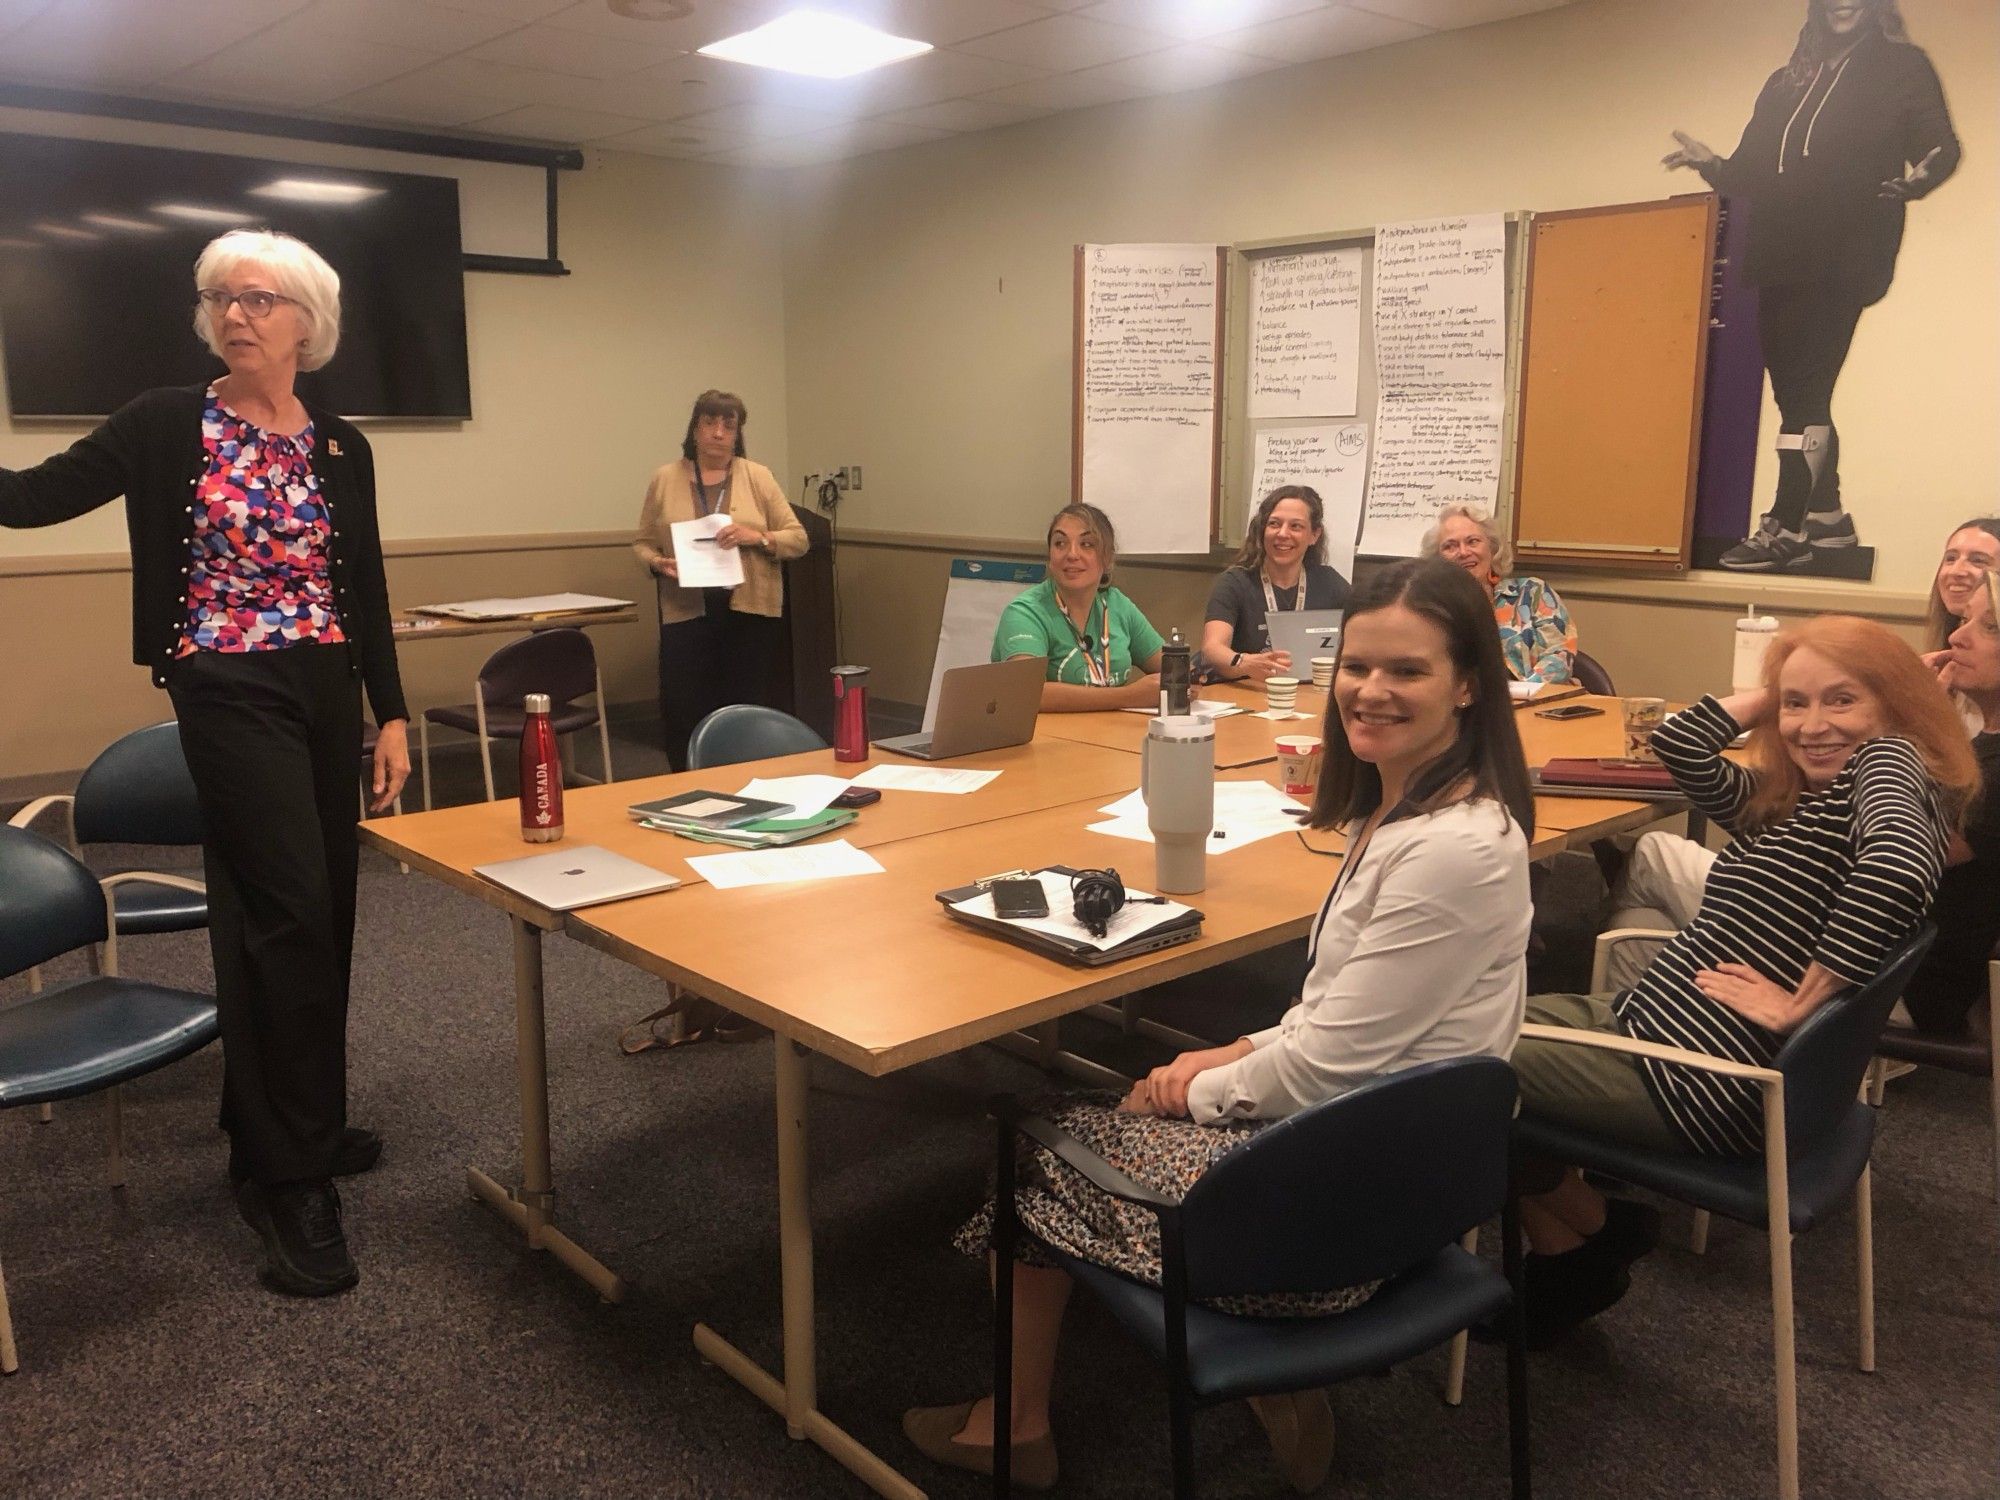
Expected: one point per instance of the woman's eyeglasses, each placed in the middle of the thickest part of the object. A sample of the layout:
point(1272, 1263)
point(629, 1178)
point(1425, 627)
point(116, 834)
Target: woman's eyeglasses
point(256, 305)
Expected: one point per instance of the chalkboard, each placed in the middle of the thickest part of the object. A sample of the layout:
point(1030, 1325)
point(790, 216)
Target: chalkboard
point(1614, 352)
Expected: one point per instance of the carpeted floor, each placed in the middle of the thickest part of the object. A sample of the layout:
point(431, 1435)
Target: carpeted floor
point(154, 1364)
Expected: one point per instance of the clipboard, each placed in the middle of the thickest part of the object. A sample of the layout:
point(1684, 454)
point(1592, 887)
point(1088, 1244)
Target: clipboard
point(1176, 930)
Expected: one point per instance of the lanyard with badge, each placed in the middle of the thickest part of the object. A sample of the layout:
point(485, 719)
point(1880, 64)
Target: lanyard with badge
point(1100, 672)
point(706, 507)
point(1271, 601)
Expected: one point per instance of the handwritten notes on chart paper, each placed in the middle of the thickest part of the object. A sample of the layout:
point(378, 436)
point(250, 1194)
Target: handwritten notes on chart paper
point(1332, 457)
point(1440, 374)
point(1148, 391)
point(1305, 334)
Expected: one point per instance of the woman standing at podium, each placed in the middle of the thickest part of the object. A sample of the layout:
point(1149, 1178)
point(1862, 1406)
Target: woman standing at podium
point(717, 645)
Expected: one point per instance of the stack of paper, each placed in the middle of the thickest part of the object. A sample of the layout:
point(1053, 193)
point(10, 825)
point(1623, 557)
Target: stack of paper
point(805, 795)
point(514, 609)
point(766, 833)
point(1245, 811)
point(923, 779)
point(779, 866)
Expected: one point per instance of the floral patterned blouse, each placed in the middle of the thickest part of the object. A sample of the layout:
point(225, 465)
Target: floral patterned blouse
point(257, 574)
point(1536, 635)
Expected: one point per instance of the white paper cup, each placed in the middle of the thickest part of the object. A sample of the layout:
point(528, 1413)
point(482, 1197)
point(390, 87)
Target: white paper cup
point(1298, 764)
point(1281, 692)
point(1322, 667)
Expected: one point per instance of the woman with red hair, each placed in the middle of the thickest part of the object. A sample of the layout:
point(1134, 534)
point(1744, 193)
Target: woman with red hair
point(1859, 774)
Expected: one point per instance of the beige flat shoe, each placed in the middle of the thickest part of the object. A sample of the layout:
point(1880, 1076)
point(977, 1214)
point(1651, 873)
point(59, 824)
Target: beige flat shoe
point(934, 1430)
point(1300, 1427)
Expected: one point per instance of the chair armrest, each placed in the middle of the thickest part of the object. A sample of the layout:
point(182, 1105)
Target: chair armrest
point(152, 877)
point(1079, 1158)
point(1610, 942)
point(26, 816)
point(1636, 1048)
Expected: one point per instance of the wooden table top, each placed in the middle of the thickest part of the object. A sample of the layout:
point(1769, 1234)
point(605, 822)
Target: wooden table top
point(451, 841)
point(406, 624)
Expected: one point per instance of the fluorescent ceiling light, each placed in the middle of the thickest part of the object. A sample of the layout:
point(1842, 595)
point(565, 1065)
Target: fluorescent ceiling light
point(14, 244)
point(196, 213)
point(316, 190)
point(817, 45)
point(129, 226)
point(64, 232)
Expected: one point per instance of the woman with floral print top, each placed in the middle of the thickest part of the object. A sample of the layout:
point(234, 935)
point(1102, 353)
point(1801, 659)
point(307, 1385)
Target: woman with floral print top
point(1536, 636)
point(259, 603)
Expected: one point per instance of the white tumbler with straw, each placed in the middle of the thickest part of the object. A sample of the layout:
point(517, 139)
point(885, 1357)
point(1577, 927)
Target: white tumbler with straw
point(1177, 779)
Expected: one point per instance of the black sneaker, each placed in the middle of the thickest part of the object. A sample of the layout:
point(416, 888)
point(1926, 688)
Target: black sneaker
point(299, 1222)
point(1831, 530)
point(1563, 1292)
point(1631, 1230)
point(1768, 549)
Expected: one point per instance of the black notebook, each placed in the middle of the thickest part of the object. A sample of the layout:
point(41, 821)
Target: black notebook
point(1150, 927)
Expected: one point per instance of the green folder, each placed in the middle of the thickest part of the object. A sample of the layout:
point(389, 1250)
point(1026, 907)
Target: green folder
point(767, 833)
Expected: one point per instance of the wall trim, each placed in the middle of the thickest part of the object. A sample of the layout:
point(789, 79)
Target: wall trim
point(1216, 558)
point(56, 564)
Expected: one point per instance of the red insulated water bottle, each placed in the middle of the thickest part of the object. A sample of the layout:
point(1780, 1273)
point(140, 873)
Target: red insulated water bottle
point(850, 711)
point(541, 774)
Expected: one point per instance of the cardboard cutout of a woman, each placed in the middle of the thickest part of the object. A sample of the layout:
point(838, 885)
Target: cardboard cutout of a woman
point(1842, 137)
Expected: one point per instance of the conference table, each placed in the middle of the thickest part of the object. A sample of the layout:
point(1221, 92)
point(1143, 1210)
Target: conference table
point(869, 972)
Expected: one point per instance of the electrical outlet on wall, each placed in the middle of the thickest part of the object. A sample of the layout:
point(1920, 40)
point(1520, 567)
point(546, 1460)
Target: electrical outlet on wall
point(854, 477)
point(840, 476)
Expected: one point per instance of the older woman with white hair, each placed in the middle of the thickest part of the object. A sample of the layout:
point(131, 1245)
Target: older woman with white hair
point(259, 603)
point(1536, 635)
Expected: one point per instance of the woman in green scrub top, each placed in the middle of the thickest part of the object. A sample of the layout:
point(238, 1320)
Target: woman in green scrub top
point(1102, 652)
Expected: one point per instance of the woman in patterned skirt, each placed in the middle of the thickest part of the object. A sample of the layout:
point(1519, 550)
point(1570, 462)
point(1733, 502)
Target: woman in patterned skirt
point(259, 604)
point(1416, 956)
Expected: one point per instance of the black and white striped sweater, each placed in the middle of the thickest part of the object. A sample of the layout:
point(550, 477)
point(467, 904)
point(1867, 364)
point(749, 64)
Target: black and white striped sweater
point(1841, 881)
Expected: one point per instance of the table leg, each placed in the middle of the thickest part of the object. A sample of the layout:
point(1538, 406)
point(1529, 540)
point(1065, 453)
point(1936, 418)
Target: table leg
point(530, 1207)
point(797, 1397)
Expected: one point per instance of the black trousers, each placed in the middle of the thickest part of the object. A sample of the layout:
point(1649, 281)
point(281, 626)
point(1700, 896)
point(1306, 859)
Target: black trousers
point(1806, 330)
point(274, 741)
point(720, 657)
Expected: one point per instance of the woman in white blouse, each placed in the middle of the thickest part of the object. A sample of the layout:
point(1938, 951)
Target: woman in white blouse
point(1416, 956)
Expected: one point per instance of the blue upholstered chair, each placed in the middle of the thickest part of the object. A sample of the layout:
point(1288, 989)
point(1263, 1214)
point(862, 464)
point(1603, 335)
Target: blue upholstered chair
point(748, 731)
point(86, 1037)
point(1379, 1184)
point(1818, 1134)
point(138, 791)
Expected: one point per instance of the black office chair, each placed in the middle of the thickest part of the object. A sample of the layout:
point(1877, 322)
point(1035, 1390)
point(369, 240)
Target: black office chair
point(1818, 1136)
point(1379, 1184)
point(86, 1037)
point(560, 662)
point(138, 791)
point(747, 731)
point(1590, 674)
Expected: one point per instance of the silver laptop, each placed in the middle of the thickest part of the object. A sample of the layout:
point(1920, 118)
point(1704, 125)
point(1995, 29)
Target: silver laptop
point(1304, 634)
point(580, 875)
point(984, 707)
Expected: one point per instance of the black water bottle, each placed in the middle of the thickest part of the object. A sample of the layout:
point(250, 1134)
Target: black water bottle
point(1176, 675)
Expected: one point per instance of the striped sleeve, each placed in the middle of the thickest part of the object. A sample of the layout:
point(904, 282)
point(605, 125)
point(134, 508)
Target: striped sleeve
point(1690, 746)
point(1899, 847)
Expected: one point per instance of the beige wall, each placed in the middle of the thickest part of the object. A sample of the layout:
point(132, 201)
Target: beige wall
point(929, 289)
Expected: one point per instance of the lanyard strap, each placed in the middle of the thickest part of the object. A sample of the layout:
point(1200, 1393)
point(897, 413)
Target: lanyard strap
point(1100, 675)
point(702, 504)
point(1271, 595)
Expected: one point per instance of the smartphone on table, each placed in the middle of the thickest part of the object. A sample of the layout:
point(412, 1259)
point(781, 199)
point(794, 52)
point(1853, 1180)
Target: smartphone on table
point(1569, 711)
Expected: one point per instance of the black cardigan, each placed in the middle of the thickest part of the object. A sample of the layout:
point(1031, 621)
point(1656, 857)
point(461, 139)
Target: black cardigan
point(150, 451)
point(1813, 159)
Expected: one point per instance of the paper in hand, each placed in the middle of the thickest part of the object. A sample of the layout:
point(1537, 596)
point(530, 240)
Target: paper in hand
point(701, 561)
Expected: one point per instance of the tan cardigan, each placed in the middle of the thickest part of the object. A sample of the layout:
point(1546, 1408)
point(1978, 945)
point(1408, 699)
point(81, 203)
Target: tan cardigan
point(755, 499)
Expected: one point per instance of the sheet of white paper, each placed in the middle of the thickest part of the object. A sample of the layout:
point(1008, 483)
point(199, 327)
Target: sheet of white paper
point(1148, 375)
point(1280, 716)
point(923, 779)
point(781, 866)
point(1441, 374)
point(1245, 811)
point(1305, 334)
point(1521, 692)
point(1127, 923)
point(1201, 708)
point(532, 604)
point(1333, 459)
point(703, 562)
point(805, 795)
point(707, 807)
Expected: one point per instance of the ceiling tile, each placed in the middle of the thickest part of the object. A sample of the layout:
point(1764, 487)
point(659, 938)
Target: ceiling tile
point(711, 21)
point(857, 136)
point(1189, 66)
point(1445, 14)
point(551, 122)
point(1058, 91)
point(966, 114)
point(677, 138)
point(398, 103)
point(502, 86)
point(791, 153)
point(583, 53)
point(18, 12)
point(421, 24)
point(692, 83)
point(939, 22)
point(1059, 43)
point(942, 74)
point(1319, 33)
point(338, 67)
point(517, 11)
point(1191, 20)
point(763, 122)
point(90, 43)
